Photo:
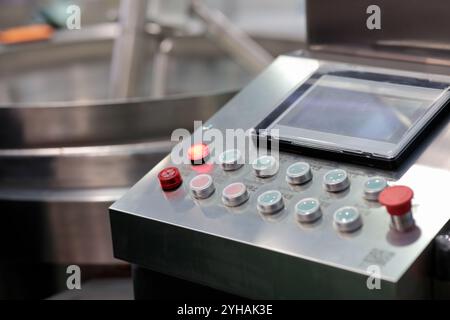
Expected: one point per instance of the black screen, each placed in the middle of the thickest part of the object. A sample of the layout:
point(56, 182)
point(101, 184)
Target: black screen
point(359, 108)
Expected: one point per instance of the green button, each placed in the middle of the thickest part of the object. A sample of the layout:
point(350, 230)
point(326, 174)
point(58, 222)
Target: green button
point(230, 156)
point(346, 215)
point(297, 169)
point(308, 210)
point(376, 184)
point(263, 162)
point(308, 205)
point(335, 176)
point(270, 198)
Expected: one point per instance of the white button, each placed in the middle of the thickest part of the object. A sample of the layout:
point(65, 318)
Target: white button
point(373, 187)
point(347, 219)
point(231, 160)
point(298, 173)
point(336, 180)
point(270, 202)
point(202, 186)
point(265, 166)
point(235, 194)
point(308, 210)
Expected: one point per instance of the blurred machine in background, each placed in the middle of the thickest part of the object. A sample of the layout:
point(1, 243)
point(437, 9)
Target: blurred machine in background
point(86, 113)
point(72, 143)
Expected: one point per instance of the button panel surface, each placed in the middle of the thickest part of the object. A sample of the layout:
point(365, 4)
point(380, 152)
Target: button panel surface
point(323, 189)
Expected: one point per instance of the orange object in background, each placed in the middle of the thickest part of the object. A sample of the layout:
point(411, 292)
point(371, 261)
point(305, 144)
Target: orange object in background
point(37, 32)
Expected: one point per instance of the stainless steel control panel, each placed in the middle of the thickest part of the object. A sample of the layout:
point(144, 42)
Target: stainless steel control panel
point(290, 226)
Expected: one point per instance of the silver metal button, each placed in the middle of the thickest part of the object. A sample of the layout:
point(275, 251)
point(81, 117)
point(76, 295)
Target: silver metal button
point(308, 210)
point(235, 194)
point(230, 160)
point(202, 186)
point(298, 173)
point(373, 187)
point(347, 219)
point(270, 202)
point(265, 166)
point(336, 180)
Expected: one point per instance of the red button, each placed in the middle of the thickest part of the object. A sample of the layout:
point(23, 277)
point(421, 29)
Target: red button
point(397, 199)
point(234, 189)
point(170, 178)
point(198, 153)
point(201, 181)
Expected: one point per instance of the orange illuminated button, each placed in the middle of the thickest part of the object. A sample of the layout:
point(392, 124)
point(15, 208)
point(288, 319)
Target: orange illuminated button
point(170, 178)
point(37, 32)
point(198, 153)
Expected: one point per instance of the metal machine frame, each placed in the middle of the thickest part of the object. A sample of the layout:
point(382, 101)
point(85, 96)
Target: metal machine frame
point(243, 253)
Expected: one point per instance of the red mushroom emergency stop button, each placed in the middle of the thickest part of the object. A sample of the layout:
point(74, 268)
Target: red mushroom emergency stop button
point(170, 178)
point(397, 200)
point(198, 153)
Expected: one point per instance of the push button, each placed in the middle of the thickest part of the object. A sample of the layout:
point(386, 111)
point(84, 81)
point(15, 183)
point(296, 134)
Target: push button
point(202, 186)
point(198, 153)
point(265, 166)
point(347, 219)
point(235, 194)
point(336, 180)
point(308, 210)
point(170, 178)
point(230, 160)
point(298, 173)
point(270, 202)
point(397, 200)
point(373, 187)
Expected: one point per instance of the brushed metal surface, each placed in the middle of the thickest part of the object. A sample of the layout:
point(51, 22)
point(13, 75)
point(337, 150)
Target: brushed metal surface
point(79, 71)
point(76, 66)
point(240, 251)
point(88, 124)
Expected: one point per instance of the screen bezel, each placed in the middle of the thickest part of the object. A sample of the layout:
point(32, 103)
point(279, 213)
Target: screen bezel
point(351, 145)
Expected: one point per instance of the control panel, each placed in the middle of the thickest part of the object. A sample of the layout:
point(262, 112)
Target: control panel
point(283, 184)
point(286, 225)
point(286, 185)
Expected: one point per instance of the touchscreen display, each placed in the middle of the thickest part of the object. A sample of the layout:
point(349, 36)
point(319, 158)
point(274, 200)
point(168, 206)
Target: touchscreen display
point(359, 108)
